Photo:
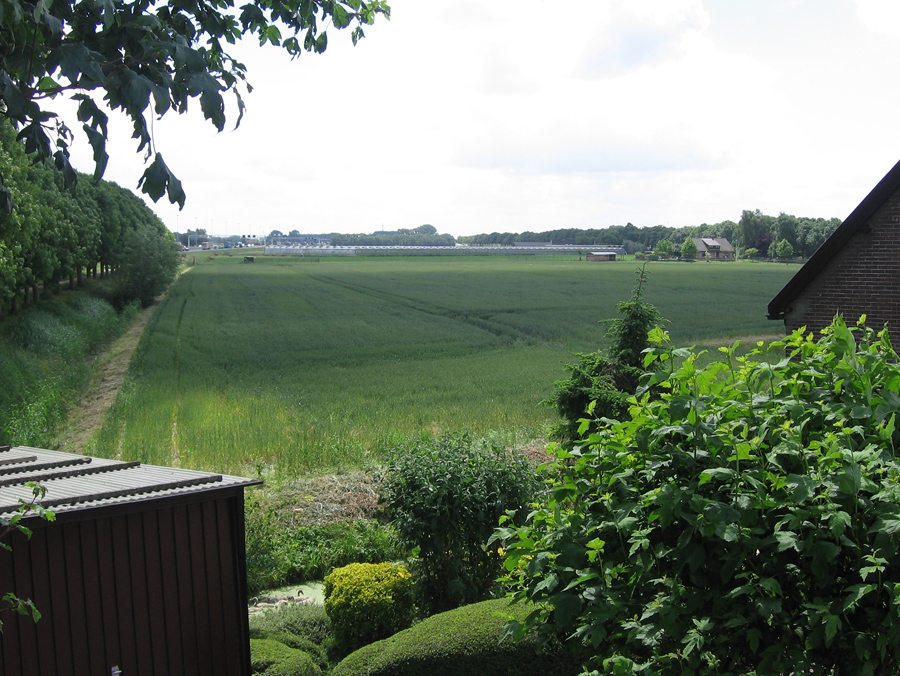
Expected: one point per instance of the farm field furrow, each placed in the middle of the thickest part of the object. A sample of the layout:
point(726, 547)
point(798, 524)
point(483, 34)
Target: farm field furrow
point(295, 365)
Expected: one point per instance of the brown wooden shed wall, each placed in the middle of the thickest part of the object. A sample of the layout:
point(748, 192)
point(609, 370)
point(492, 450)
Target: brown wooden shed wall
point(157, 588)
point(862, 278)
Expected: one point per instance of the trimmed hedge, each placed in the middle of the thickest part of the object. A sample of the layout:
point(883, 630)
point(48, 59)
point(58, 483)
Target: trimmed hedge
point(272, 658)
point(317, 653)
point(461, 641)
point(368, 601)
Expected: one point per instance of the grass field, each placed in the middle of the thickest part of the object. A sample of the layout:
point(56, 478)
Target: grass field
point(297, 364)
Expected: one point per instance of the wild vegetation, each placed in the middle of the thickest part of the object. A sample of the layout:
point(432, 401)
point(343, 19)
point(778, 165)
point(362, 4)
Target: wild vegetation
point(742, 520)
point(290, 365)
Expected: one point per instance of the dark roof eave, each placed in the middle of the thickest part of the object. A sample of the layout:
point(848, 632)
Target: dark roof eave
point(854, 223)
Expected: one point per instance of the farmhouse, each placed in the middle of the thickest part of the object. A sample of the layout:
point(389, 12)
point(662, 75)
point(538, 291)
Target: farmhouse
point(856, 271)
point(143, 571)
point(715, 248)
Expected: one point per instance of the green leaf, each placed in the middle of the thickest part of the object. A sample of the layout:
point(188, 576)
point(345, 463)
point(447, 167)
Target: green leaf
point(860, 411)
point(340, 17)
point(832, 624)
point(566, 606)
point(855, 593)
point(157, 180)
point(722, 473)
point(786, 540)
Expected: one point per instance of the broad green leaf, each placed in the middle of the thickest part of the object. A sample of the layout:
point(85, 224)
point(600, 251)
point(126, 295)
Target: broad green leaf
point(566, 608)
point(722, 473)
point(855, 593)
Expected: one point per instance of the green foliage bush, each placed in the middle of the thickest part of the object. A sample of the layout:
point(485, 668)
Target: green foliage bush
point(272, 658)
point(744, 520)
point(604, 380)
point(367, 602)
point(461, 641)
point(446, 496)
point(148, 265)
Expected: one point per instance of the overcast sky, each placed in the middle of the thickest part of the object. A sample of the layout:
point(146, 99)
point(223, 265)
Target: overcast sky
point(516, 115)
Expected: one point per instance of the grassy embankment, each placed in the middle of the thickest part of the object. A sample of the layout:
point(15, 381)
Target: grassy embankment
point(45, 362)
point(295, 365)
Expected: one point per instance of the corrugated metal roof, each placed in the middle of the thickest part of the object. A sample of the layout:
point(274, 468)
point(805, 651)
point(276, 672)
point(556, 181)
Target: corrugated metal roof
point(79, 481)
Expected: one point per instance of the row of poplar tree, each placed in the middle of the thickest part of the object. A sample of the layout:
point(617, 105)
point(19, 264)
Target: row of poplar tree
point(52, 236)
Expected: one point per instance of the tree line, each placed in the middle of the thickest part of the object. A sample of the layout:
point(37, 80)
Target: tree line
point(51, 234)
point(424, 235)
point(754, 234)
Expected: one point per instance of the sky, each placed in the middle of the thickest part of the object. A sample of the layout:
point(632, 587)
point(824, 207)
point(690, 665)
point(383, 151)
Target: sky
point(534, 115)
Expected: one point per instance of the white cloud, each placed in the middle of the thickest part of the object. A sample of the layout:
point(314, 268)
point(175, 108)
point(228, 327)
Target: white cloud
point(531, 115)
point(880, 16)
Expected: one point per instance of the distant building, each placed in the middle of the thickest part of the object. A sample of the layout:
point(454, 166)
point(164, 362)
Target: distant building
point(299, 240)
point(597, 256)
point(856, 271)
point(715, 248)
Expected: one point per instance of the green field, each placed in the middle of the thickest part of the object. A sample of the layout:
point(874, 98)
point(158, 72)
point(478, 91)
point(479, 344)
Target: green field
point(296, 364)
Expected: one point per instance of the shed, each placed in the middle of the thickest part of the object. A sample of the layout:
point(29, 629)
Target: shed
point(856, 271)
point(601, 256)
point(143, 570)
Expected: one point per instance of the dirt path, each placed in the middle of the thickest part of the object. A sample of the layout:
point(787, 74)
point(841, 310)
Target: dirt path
point(108, 373)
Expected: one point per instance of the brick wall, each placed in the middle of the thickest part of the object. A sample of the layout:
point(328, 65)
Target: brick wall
point(862, 278)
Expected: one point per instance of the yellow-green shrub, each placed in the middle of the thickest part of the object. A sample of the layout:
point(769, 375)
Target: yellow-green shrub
point(368, 601)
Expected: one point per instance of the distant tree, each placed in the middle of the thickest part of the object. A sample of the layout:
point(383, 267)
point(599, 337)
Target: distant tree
point(749, 252)
point(606, 379)
point(294, 233)
point(664, 248)
point(688, 249)
point(426, 230)
point(784, 249)
point(148, 264)
point(276, 233)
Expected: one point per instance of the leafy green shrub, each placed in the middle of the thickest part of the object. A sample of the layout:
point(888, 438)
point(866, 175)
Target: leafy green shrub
point(446, 496)
point(461, 641)
point(367, 602)
point(148, 264)
point(746, 519)
point(272, 658)
point(604, 380)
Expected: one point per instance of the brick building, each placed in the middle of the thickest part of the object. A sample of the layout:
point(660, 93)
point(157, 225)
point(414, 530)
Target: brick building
point(856, 271)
